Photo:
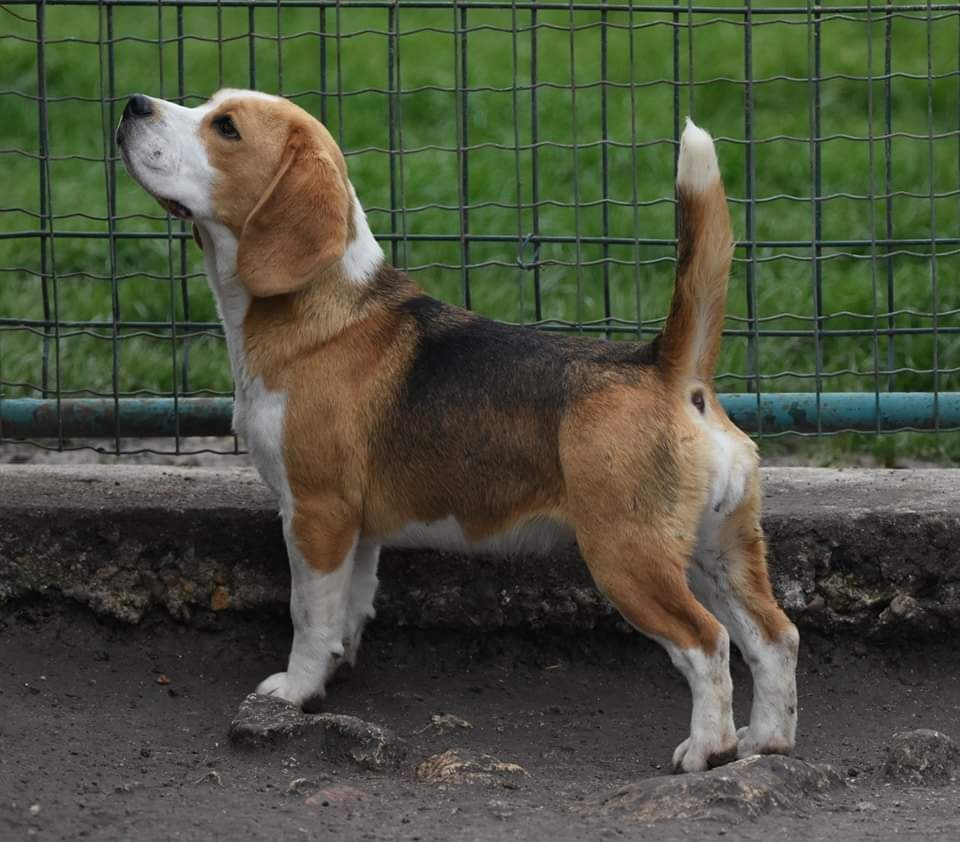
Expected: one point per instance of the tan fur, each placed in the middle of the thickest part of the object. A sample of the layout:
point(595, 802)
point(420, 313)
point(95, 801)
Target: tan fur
point(299, 222)
point(703, 264)
point(625, 460)
point(635, 504)
point(315, 337)
point(633, 501)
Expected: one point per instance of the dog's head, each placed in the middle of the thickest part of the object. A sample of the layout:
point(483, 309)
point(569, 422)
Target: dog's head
point(255, 167)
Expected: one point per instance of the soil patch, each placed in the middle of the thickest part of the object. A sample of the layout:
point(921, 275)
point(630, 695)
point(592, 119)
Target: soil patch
point(110, 731)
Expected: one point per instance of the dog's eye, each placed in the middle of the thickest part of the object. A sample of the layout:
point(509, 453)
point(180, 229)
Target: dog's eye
point(225, 126)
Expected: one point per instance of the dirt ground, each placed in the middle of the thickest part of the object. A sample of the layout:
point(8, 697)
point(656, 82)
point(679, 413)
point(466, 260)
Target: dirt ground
point(94, 744)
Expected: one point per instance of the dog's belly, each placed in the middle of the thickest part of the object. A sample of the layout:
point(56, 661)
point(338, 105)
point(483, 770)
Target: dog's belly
point(539, 536)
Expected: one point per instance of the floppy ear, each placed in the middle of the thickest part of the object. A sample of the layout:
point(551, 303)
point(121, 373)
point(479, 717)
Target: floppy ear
point(299, 226)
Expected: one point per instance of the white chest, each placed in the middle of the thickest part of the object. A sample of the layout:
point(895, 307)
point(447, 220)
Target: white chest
point(258, 412)
point(258, 417)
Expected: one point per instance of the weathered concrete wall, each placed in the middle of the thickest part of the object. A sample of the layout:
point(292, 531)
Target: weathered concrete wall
point(867, 551)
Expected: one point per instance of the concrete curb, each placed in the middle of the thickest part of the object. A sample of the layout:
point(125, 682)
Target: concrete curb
point(870, 552)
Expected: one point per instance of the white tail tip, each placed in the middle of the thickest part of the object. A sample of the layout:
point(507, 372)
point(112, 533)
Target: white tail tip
point(697, 166)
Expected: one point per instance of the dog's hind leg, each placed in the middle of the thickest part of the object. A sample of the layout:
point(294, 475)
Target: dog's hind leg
point(644, 576)
point(729, 574)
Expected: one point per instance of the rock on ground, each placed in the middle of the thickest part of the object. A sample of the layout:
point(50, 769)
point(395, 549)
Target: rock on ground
point(922, 757)
point(462, 766)
point(264, 722)
point(745, 789)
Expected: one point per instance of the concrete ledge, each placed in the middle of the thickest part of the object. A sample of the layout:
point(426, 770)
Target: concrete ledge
point(868, 551)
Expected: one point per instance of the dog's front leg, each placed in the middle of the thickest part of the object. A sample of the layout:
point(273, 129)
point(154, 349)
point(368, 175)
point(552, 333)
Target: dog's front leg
point(320, 574)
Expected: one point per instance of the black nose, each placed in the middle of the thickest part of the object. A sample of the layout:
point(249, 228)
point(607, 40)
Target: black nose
point(138, 106)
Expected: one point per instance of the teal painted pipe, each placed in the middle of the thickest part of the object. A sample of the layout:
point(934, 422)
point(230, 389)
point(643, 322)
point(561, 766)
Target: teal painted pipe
point(22, 418)
point(100, 418)
point(798, 411)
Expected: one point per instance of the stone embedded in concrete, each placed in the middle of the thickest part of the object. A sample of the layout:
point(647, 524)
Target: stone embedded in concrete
point(463, 766)
point(922, 758)
point(869, 552)
point(745, 789)
point(263, 722)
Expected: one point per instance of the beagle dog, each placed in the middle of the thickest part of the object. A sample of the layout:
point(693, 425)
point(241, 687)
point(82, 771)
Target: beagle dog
point(382, 417)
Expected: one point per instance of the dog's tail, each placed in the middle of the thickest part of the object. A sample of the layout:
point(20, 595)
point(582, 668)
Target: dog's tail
point(691, 337)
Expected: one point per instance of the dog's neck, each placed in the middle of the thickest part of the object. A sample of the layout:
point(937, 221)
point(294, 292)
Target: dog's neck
point(293, 323)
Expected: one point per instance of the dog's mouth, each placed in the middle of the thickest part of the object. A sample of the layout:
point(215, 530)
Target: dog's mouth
point(174, 208)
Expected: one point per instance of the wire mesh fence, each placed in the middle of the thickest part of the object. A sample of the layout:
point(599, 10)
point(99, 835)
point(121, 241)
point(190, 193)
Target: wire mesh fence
point(516, 158)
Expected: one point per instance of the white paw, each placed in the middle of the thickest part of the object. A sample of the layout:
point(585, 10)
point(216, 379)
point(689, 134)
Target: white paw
point(284, 685)
point(691, 756)
point(749, 744)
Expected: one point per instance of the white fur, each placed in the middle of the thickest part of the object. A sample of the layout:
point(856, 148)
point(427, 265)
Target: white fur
point(733, 462)
point(697, 167)
point(363, 588)
point(697, 170)
point(240, 93)
point(258, 413)
point(773, 716)
point(539, 536)
point(165, 156)
point(363, 256)
point(318, 608)
point(712, 733)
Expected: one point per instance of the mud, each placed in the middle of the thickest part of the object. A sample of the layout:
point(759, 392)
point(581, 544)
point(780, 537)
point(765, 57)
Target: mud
point(110, 731)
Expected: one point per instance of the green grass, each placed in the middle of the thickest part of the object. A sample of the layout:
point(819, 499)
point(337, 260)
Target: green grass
point(639, 278)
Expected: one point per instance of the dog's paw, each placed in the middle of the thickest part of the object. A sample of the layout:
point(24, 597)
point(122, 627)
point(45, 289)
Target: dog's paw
point(749, 744)
point(283, 685)
point(691, 756)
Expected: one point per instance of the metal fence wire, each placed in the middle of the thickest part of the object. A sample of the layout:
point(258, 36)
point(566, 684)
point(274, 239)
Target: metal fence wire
point(517, 158)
